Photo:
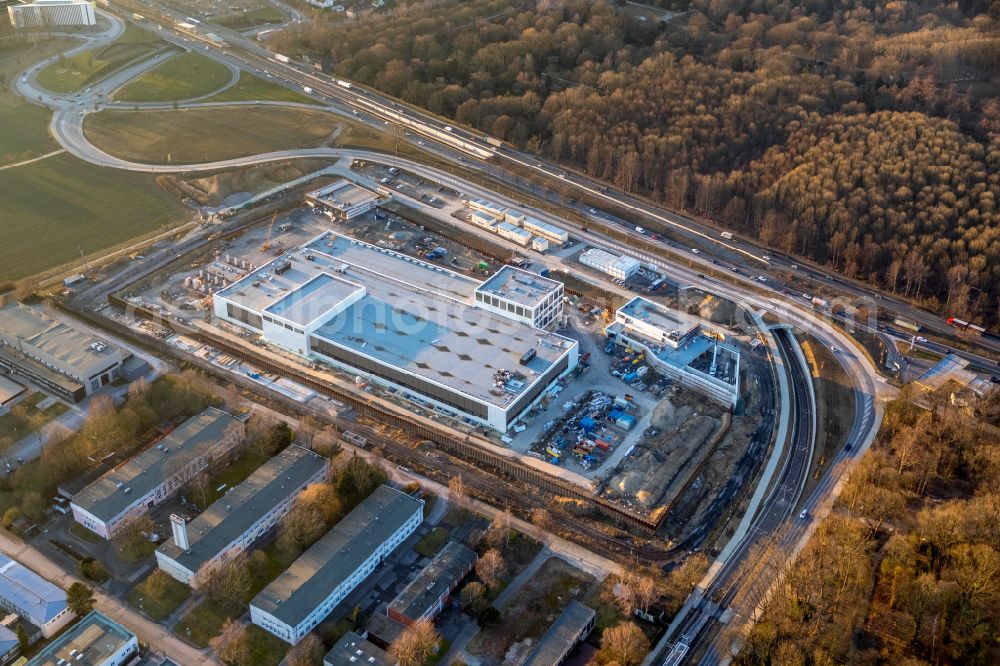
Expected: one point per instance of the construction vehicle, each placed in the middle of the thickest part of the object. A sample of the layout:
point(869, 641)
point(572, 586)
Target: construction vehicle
point(267, 243)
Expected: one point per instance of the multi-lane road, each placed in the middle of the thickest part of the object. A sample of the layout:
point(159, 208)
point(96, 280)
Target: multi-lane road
point(252, 54)
point(775, 516)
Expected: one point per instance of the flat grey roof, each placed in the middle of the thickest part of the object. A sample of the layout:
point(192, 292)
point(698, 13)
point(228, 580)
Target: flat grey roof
point(342, 194)
point(561, 636)
point(29, 592)
point(72, 346)
point(235, 512)
point(9, 389)
point(314, 298)
point(88, 643)
point(520, 286)
point(13, 358)
point(304, 585)
point(414, 316)
point(438, 578)
point(663, 318)
point(114, 492)
point(352, 649)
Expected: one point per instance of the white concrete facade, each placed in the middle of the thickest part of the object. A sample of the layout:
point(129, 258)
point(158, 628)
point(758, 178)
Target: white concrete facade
point(338, 591)
point(612, 264)
point(52, 13)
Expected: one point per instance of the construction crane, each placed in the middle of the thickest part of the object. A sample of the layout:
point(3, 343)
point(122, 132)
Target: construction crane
point(267, 243)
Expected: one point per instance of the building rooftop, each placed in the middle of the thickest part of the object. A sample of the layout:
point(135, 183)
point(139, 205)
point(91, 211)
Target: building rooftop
point(88, 643)
point(561, 636)
point(608, 259)
point(522, 287)
point(352, 649)
point(313, 299)
point(297, 592)
point(668, 320)
point(435, 580)
point(9, 389)
point(415, 316)
point(28, 591)
point(235, 512)
point(342, 194)
point(949, 368)
point(113, 493)
point(12, 357)
point(70, 345)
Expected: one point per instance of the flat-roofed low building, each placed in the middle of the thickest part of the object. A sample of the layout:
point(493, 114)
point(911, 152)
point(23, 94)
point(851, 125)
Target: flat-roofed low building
point(59, 357)
point(156, 473)
point(298, 600)
point(343, 199)
point(403, 322)
point(52, 13)
point(677, 347)
point(95, 640)
point(35, 599)
point(242, 516)
point(575, 623)
point(426, 594)
point(513, 233)
point(612, 264)
point(491, 208)
point(9, 392)
point(353, 649)
point(521, 295)
point(658, 323)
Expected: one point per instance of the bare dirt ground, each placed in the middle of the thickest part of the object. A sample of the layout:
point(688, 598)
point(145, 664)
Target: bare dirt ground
point(661, 464)
point(213, 189)
point(834, 404)
point(530, 613)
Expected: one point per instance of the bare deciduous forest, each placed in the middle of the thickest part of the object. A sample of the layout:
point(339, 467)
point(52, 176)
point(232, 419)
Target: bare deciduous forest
point(862, 134)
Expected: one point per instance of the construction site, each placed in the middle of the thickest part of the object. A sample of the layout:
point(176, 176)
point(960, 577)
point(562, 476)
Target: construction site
point(618, 424)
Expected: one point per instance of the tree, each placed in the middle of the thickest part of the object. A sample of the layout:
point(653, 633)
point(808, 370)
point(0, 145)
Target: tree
point(131, 535)
point(80, 599)
point(473, 598)
point(415, 644)
point(232, 645)
point(314, 511)
point(491, 568)
point(456, 488)
point(276, 438)
point(308, 652)
point(94, 570)
point(10, 516)
point(226, 583)
point(624, 644)
point(22, 639)
point(542, 519)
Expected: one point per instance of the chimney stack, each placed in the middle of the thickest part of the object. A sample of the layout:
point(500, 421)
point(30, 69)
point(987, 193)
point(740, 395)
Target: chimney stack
point(179, 526)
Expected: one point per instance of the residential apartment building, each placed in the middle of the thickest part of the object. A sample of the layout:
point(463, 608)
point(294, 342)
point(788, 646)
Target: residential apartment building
point(241, 516)
point(298, 600)
point(158, 472)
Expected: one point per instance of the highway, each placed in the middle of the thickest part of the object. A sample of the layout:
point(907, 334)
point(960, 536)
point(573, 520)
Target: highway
point(257, 57)
point(773, 518)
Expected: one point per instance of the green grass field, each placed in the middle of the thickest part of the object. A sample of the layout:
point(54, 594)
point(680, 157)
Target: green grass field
point(202, 135)
point(200, 624)
point(252, 19)
point(158, 595)
point(251, 87)
point(83, 69)
point(24, 127)
point(54, 209)
point(182, 77)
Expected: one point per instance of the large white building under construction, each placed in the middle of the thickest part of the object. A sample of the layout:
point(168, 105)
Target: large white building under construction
point(476, 350)
point(52, 13)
